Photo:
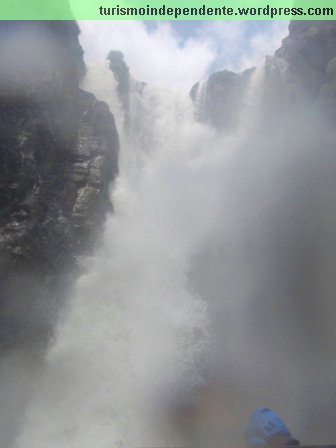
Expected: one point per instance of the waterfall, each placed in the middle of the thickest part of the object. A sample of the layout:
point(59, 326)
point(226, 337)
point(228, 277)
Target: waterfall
point(252, 101)
point(200, 100)
point(131, 344)
point(131, 341)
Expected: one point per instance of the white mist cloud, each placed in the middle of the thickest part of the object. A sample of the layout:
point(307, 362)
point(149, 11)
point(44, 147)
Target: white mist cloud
point(153, 56)
point(161, 55)
point(242, 44)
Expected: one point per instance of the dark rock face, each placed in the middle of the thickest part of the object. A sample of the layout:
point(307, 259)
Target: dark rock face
point(126, 87)
point(308, 49)
point(120, 70)
point(58, 155)
point(296, 77)
point(221, 99)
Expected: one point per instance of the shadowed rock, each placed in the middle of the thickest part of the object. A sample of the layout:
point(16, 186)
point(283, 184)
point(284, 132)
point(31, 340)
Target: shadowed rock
point(58, 155)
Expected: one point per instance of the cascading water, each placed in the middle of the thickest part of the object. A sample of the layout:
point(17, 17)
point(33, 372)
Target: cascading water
point(252, 103)
point(133, 337)
point(200, 99)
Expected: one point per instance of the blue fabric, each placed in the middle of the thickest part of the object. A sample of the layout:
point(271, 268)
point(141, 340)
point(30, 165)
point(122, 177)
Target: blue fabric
point(263, 426)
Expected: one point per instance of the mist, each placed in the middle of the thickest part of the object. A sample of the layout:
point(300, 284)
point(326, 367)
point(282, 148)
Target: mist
point(211, 290)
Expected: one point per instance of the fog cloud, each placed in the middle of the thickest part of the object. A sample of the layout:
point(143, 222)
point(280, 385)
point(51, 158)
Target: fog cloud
point(159, 54)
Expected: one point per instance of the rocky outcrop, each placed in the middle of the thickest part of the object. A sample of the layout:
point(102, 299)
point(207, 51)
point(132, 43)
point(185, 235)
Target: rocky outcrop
point(120, 70)
point(298, 75)
point(307, 50)
point(58, 155)
point(295, 77)
point(220, 99)
point(127, 87)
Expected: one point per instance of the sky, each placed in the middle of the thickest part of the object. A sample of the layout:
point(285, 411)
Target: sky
point(180, 53)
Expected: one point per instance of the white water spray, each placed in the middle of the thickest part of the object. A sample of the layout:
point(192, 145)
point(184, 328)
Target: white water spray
point(133, 336)
point(200, 100)
point(250, 110)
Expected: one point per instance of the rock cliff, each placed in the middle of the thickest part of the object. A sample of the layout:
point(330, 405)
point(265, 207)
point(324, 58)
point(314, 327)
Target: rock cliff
point(299, 74)
point(58, 155)
point(221, 98)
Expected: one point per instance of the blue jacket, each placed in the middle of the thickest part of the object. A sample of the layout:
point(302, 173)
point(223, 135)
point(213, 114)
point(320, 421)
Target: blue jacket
point(264, 425)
